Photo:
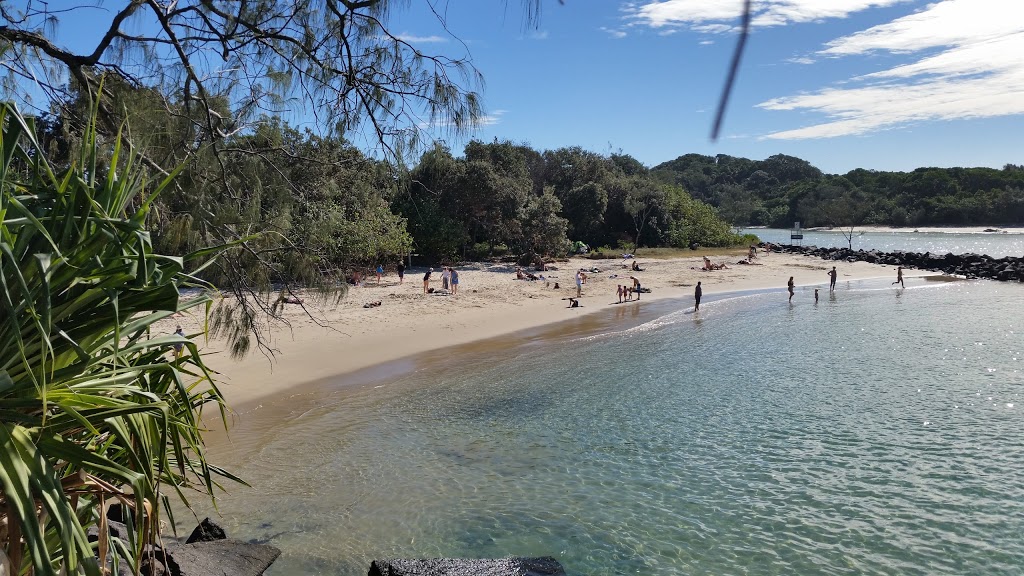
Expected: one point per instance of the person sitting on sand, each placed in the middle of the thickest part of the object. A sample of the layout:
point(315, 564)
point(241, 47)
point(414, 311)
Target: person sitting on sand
point(574, 303)
point(519, 274)
point(636, 267)
point(707, 263)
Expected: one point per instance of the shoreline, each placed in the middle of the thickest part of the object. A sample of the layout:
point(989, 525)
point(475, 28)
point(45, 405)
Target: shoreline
point(347, 340)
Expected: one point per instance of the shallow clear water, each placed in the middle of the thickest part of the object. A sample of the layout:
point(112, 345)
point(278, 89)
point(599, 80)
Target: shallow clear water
point(994, 244)
point(877, 432)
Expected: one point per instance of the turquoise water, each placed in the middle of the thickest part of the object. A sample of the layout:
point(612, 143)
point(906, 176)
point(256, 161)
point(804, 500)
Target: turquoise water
point(994, 244)
point(876, 432)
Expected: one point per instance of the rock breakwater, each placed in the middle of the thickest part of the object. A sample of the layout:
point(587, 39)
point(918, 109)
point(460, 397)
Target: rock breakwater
point(1007, 268)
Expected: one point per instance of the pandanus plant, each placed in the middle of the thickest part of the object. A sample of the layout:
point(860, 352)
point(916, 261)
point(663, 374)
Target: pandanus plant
point(95, 406)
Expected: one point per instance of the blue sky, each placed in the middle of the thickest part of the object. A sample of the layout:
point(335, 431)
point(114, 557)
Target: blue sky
point(844, 84)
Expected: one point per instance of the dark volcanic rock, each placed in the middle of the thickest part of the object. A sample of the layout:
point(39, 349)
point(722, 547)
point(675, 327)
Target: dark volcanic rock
point(207, 531)
point(545, 566)
point(219, 557)
point(970, 265)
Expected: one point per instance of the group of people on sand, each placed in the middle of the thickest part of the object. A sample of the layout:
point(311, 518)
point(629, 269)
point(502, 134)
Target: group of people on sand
point(625, 292)
point(526, 275)
point(449, 280)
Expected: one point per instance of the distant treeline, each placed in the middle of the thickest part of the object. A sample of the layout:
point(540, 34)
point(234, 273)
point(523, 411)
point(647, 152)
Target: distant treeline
point(509, 197)
point(783, 189)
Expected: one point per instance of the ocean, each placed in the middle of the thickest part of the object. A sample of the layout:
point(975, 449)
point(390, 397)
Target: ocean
point(877, 431)
point(994, 244)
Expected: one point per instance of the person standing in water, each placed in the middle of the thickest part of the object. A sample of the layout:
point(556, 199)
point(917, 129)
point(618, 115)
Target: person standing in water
point(832, 279)
point(899, 277)
point(790, 286)
point(697, 292)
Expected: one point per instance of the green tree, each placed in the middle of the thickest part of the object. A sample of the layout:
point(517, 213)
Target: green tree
point(642, 202)
point(545, 230)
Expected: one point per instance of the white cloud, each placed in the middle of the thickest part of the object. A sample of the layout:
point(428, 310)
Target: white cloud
point(973, 69)
point(493, 118)
point(947, 23)
point(713, 28)
point(412, 39)
point(697, 14)
point(613, 32)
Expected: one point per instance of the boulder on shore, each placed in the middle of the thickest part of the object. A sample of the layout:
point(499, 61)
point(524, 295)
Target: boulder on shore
point(512, 566)
point(207, 531)
point(217, 558)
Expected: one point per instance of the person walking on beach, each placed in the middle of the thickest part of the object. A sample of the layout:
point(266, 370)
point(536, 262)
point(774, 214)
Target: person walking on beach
point(899, 277)
point(697, 292)
point(445, 276)
point(618, 292)
point(832, 279)
point(454, 280)
point(380, 272)
point(179, 346)
point(636, 286)
point(426, 280)
point(401, 272)
point(790, 286)
point(579, 282)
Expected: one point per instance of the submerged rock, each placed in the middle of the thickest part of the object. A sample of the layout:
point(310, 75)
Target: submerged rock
point(511, 566)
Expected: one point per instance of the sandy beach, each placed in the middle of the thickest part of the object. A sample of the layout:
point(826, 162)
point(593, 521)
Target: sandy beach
point(326, 341)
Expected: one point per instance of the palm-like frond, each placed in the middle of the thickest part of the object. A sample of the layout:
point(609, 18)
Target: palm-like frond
point(92, 410)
